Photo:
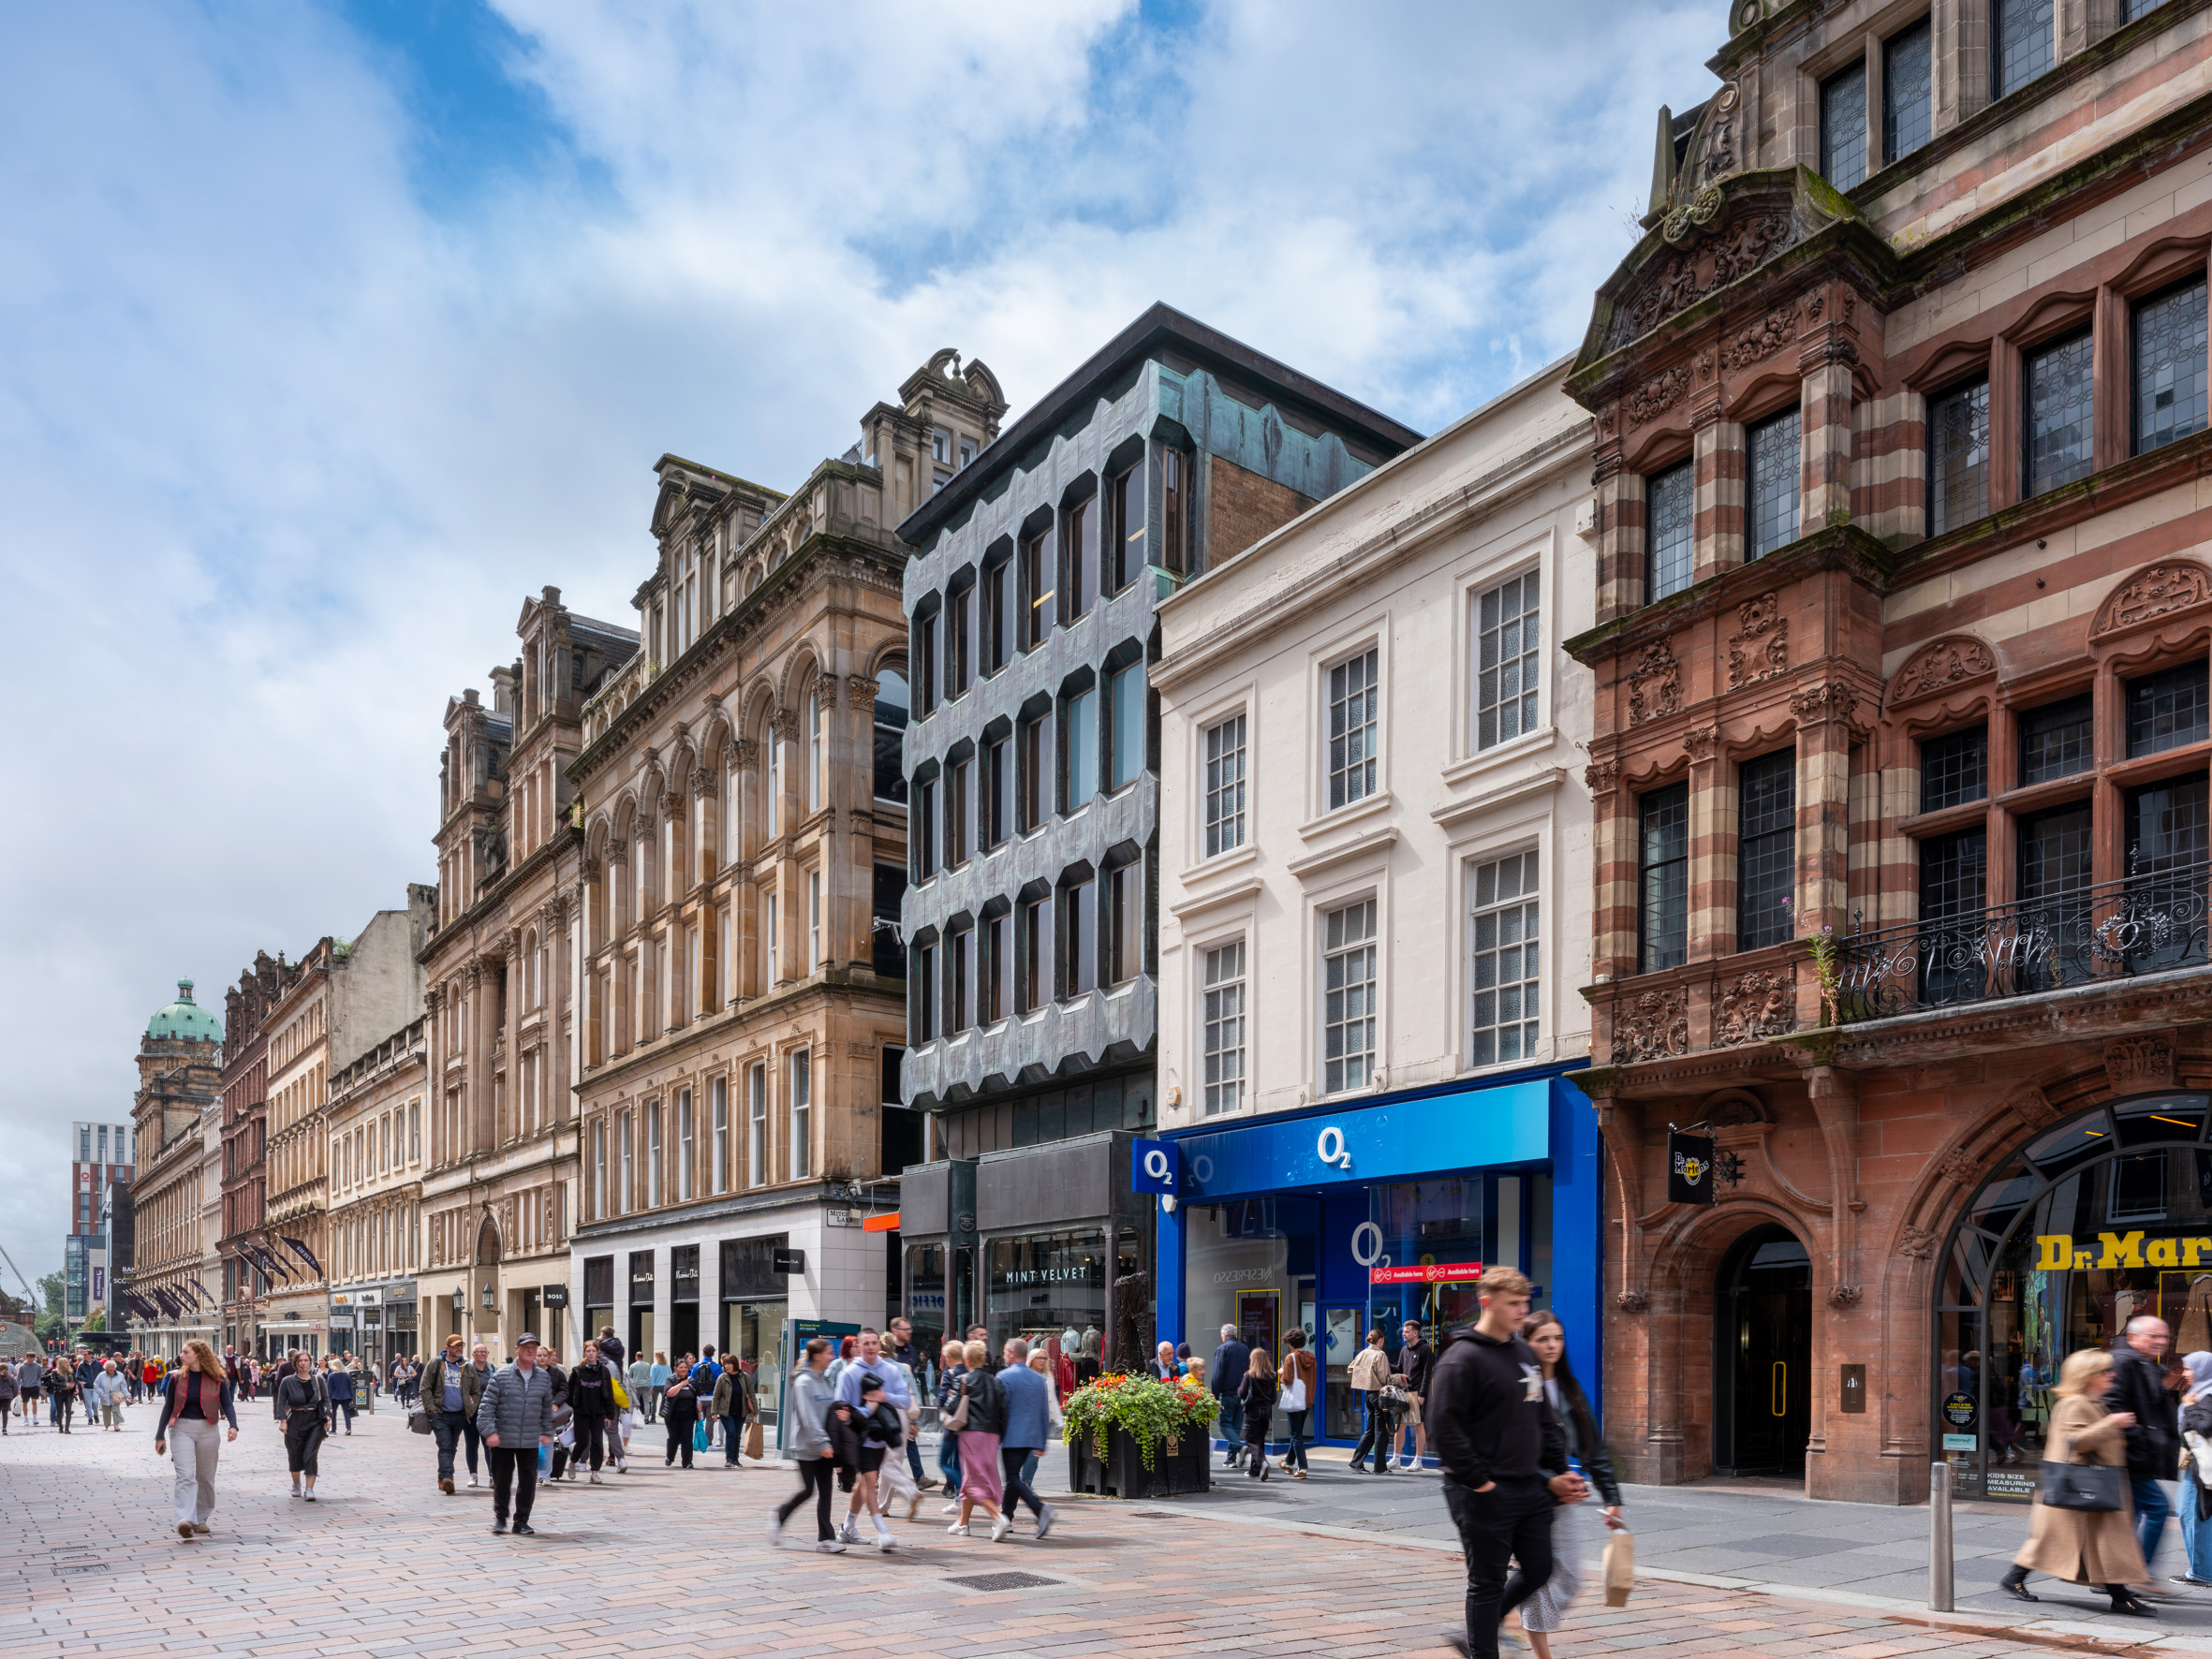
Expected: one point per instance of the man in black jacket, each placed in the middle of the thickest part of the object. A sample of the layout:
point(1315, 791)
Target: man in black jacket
point(2154, 1446)
point(1504, 1457)
point(1416, 1359)
point(1225, 1375)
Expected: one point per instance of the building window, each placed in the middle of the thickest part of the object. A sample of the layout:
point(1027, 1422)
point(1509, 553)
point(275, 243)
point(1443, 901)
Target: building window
point(1663, 863)
point(926, 1012)
point(1029, 805)
point(956, 814)
point(1124, 923)
point(1078, 584)
point(599, 1172)
point(925, 664)
point(687, 1151)
point(1223, 990)
point(756, 1124)
point(1225, 785)
point(2168, 348)
point(1505, 967)
point(814, 921)
point(1771, 480)
point(2055, 741)
point(802, 1113)
point(1766, 848)
point(2166, 841)
point(1953, 885)
point(1029, 988)
point(1079, 749)
point(1908, 91)
point(1174, 512)
point(992, 617)
point(996, 993)
point(1124, 737)
point(992, 818)
point(1843, 126)
point(1507, 639)
point(2025, 43)
point(718, 1096)
point(888, 952)
point(2168, 709)
point(957, 608)
point(958, 952)
point(652, 1154)
point(2061, 410)
point(817, 753)
point(626, 1193)
point(1669, 534)
point(773, 942)
point(1037, 589)
point(1079, 946)
point(1125, 527)
point(1958, 457)
point(924, 824)
point(775, 744)
point(2055, 851)
point(1347, 997)
point(1353, 703)
point(1954, 768)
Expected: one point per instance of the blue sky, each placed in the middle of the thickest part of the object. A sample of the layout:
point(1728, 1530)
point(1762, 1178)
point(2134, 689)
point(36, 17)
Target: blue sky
point(328, 332)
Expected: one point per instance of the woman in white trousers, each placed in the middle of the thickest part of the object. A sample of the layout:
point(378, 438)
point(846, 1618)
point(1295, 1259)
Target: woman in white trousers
point(195, 1399)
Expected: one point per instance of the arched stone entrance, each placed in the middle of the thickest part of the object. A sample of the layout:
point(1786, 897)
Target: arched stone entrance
point(1762, 1315)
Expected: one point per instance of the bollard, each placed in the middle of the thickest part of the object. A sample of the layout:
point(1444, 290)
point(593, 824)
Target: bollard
point(1939, 1576)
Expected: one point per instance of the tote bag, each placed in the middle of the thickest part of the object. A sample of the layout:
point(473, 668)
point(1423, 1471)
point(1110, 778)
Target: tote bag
point(1294, 1391)
point(2095, 1489)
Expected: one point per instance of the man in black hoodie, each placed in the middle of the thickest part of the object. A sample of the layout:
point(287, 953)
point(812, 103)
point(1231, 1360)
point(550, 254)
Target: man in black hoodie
point(1504, 1457)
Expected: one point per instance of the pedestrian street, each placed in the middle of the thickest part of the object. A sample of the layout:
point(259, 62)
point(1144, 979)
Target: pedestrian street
point(678, 1564)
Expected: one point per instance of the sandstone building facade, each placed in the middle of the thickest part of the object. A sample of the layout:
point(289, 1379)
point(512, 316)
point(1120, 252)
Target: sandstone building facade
point(173, 1117)
point(1900, 750)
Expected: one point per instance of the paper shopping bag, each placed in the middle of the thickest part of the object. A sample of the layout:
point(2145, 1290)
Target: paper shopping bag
point(753, 1440)
point(1621, 1568)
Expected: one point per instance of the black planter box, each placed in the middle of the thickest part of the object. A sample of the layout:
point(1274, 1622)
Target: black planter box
point(1186, 1469)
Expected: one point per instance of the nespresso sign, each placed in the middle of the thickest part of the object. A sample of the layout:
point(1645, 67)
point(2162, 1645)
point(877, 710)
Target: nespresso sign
point(2057, 1251)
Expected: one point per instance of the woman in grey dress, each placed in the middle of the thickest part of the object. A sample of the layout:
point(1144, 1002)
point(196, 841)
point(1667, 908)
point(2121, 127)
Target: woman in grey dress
point(1546, 1610)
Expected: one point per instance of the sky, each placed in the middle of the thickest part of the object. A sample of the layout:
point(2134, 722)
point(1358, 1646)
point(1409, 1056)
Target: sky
point(330, 331)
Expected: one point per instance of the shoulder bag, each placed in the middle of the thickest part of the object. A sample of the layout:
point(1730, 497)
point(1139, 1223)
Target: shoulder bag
point(2095, 1489)
point(1294, 1391)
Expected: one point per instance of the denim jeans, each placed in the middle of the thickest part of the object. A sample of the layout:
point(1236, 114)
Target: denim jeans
point(2196, 1535)
point(949, 1460)
point(1233, 1426)
point(2152, 1507)
point(1295, 1457)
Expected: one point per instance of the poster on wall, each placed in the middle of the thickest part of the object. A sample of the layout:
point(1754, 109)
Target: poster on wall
point(1257, 1319)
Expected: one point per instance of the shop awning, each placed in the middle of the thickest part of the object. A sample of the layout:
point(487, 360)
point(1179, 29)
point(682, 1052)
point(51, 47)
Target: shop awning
point(881, 1224)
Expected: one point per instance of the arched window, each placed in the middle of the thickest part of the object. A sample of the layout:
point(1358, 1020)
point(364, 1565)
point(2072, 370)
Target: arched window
point(817, 753)
point(890, 729)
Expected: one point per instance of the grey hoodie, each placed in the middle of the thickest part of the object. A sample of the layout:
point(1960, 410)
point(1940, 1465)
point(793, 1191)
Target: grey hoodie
point(810, 1402)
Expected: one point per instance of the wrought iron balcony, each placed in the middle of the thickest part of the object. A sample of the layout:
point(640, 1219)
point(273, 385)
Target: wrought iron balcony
point(2144, 924)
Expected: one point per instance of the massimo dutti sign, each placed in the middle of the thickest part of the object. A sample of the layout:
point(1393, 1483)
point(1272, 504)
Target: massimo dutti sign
point(2060, 1251)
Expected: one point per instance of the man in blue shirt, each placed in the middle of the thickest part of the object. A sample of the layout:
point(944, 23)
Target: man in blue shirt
point(867, 1370)
point(1029, 1427)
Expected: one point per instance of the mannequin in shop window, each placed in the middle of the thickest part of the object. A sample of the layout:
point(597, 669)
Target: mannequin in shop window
point(2193, 1333)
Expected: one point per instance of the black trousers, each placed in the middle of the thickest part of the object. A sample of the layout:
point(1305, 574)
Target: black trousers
point(1378, 1429)
point(516, 1467)
point(818, 1475)
point(1512, 1521)
point(302, 1439)
point(679, 1439)
point(591, 1441)
point(1018, 1491)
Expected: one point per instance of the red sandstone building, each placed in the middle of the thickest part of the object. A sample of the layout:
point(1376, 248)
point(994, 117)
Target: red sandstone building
point(1905, 602)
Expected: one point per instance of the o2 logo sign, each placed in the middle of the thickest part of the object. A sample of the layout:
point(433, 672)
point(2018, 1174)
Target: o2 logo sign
point(1367, 1246)
point(1331, 1149)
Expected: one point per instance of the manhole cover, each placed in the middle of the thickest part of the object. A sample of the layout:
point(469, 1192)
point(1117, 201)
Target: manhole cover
point(1004, 1582)
point(79, 1567)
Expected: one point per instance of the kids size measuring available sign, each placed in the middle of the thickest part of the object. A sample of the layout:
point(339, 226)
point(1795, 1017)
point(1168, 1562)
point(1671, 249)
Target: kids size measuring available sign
point(2059, 1251)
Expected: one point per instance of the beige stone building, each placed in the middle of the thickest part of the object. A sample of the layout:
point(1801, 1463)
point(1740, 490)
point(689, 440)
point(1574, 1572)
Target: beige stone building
point(745, 821)
point(498, 1176)
point(175, 1111)
point(376, 1188)
point(347, 999)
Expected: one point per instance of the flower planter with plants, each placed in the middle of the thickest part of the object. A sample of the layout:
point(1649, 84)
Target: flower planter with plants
point(1138, 1438)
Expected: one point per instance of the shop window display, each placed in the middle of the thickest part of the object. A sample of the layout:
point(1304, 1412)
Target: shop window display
point(1040, 1286)
point(2093, 1222)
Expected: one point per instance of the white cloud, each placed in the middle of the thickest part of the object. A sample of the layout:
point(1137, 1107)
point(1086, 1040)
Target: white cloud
point(282, 446)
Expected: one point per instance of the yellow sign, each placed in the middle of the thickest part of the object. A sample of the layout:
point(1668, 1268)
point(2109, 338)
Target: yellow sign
point(2058, 1251)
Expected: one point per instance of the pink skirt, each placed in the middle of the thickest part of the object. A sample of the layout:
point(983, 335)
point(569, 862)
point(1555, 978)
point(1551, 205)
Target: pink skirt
point(979, 1474)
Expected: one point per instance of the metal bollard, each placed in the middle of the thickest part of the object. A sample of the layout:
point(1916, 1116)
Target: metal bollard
point(1940, 1575)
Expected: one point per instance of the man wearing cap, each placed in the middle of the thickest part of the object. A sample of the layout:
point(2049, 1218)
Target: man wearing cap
point(515, 1417)
point(451, 1390)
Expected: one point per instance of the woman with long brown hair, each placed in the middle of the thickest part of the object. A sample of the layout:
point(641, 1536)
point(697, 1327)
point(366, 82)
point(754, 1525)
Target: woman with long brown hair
point(1546, 1610)
point(193, 1397)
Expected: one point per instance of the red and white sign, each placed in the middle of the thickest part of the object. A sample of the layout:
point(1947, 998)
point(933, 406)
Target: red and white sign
point(1427, 1273)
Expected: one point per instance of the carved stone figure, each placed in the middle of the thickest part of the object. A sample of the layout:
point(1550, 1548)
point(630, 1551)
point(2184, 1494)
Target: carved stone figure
point(1938, 664)
point(1753, 1005)
point(2156, 592)
point(1761, 340)
point(1760, 649)
point(1654, 1026)
point(1658, 394)
point(1654, 684)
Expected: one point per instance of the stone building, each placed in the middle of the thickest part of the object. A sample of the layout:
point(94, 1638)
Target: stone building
point(241, 1236)
point(745, 848)
point(1900, 756)
point(174, 1257)
point(498, 1199)
point(346, 999)
point(1033, 781)
point(374, 1121)
point(1374, 915)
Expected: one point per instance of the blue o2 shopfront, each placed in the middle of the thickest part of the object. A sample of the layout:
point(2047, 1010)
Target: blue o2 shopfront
point(1343, 1218)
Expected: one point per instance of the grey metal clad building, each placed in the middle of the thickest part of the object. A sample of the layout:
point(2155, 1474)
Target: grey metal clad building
point(1034, 797)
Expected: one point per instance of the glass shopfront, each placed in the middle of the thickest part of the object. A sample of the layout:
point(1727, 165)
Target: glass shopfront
point(1042, 1284)
point(755, 1308)
point(2103, 1217)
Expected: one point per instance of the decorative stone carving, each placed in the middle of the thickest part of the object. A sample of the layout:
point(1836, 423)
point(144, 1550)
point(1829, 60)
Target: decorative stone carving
point(2033, 1106)
point(785, 723)
point(1761, 340)
point(1818, 704)
point(1845, 1296)
point(1654, 684)
point(1938, 665)
point(2136, 1064)
point(863, 690)
point(1753, 1005)
point(1917, 1243)
point(1609, 420)
point(2152, 593)
point(1680, 279)
point(1700, 743)
point(1658, 394)
point(744, 753)
point(1958, 1166)
point(1734, 1112)
point(1759, 647)
point(1703, 367)
point(1602, 777)
point(1652, 1027)
point(1631, 1301)
point(1705, 206)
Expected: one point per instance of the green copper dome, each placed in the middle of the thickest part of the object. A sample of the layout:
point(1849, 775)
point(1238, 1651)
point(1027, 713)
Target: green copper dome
point(185, 1018)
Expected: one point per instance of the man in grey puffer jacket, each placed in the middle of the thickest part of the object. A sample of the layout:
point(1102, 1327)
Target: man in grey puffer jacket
point(515, 1417)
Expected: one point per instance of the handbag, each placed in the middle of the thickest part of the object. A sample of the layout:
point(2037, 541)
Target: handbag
point(2093, 1488)
point(699, 1436)
point(419, 1421)
point(622, 1395)
point(1294, 1391)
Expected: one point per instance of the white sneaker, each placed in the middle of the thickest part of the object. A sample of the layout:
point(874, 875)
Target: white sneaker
point(1001, 1527)
point(884, 1541)
point(775, 1531)
point(1404, 1462)
point(597, 1481)
point(952, 1509)
point(849, 1533)
point(1044, 1521)
point(957, 1531)
point(830, 1547)
point(472, 1480)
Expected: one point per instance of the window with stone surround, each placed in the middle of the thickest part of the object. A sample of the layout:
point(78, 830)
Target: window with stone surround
point(1843, 126)
point(1954, 768)
point(2168, 709)
point(1670, 530)
point(1908, 91)
point(1958, 456)
point(1222, 989)
point(2059, 384)
point(1509, 637)
point(1663, 879)
point(1225, 785)
point(2056, 739)
point(1766, 848)
point(1503, 979)
point(1771, 478)
point(1347, 997)
point(2023, 42)
point(2167, 349)
point(1354, 703)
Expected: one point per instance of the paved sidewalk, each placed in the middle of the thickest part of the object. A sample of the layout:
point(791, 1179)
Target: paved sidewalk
point(676, 1563)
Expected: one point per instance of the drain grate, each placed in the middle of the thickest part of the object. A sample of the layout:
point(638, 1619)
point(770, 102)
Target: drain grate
point(1004, 1582)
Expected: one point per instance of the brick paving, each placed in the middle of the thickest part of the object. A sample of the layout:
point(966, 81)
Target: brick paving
point(676, 1565)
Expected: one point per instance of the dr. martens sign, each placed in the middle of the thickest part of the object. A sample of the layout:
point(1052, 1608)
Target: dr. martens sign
point(2060, 1251)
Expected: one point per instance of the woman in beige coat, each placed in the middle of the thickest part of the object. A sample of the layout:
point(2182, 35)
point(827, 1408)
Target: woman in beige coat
point(2081, 1546)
